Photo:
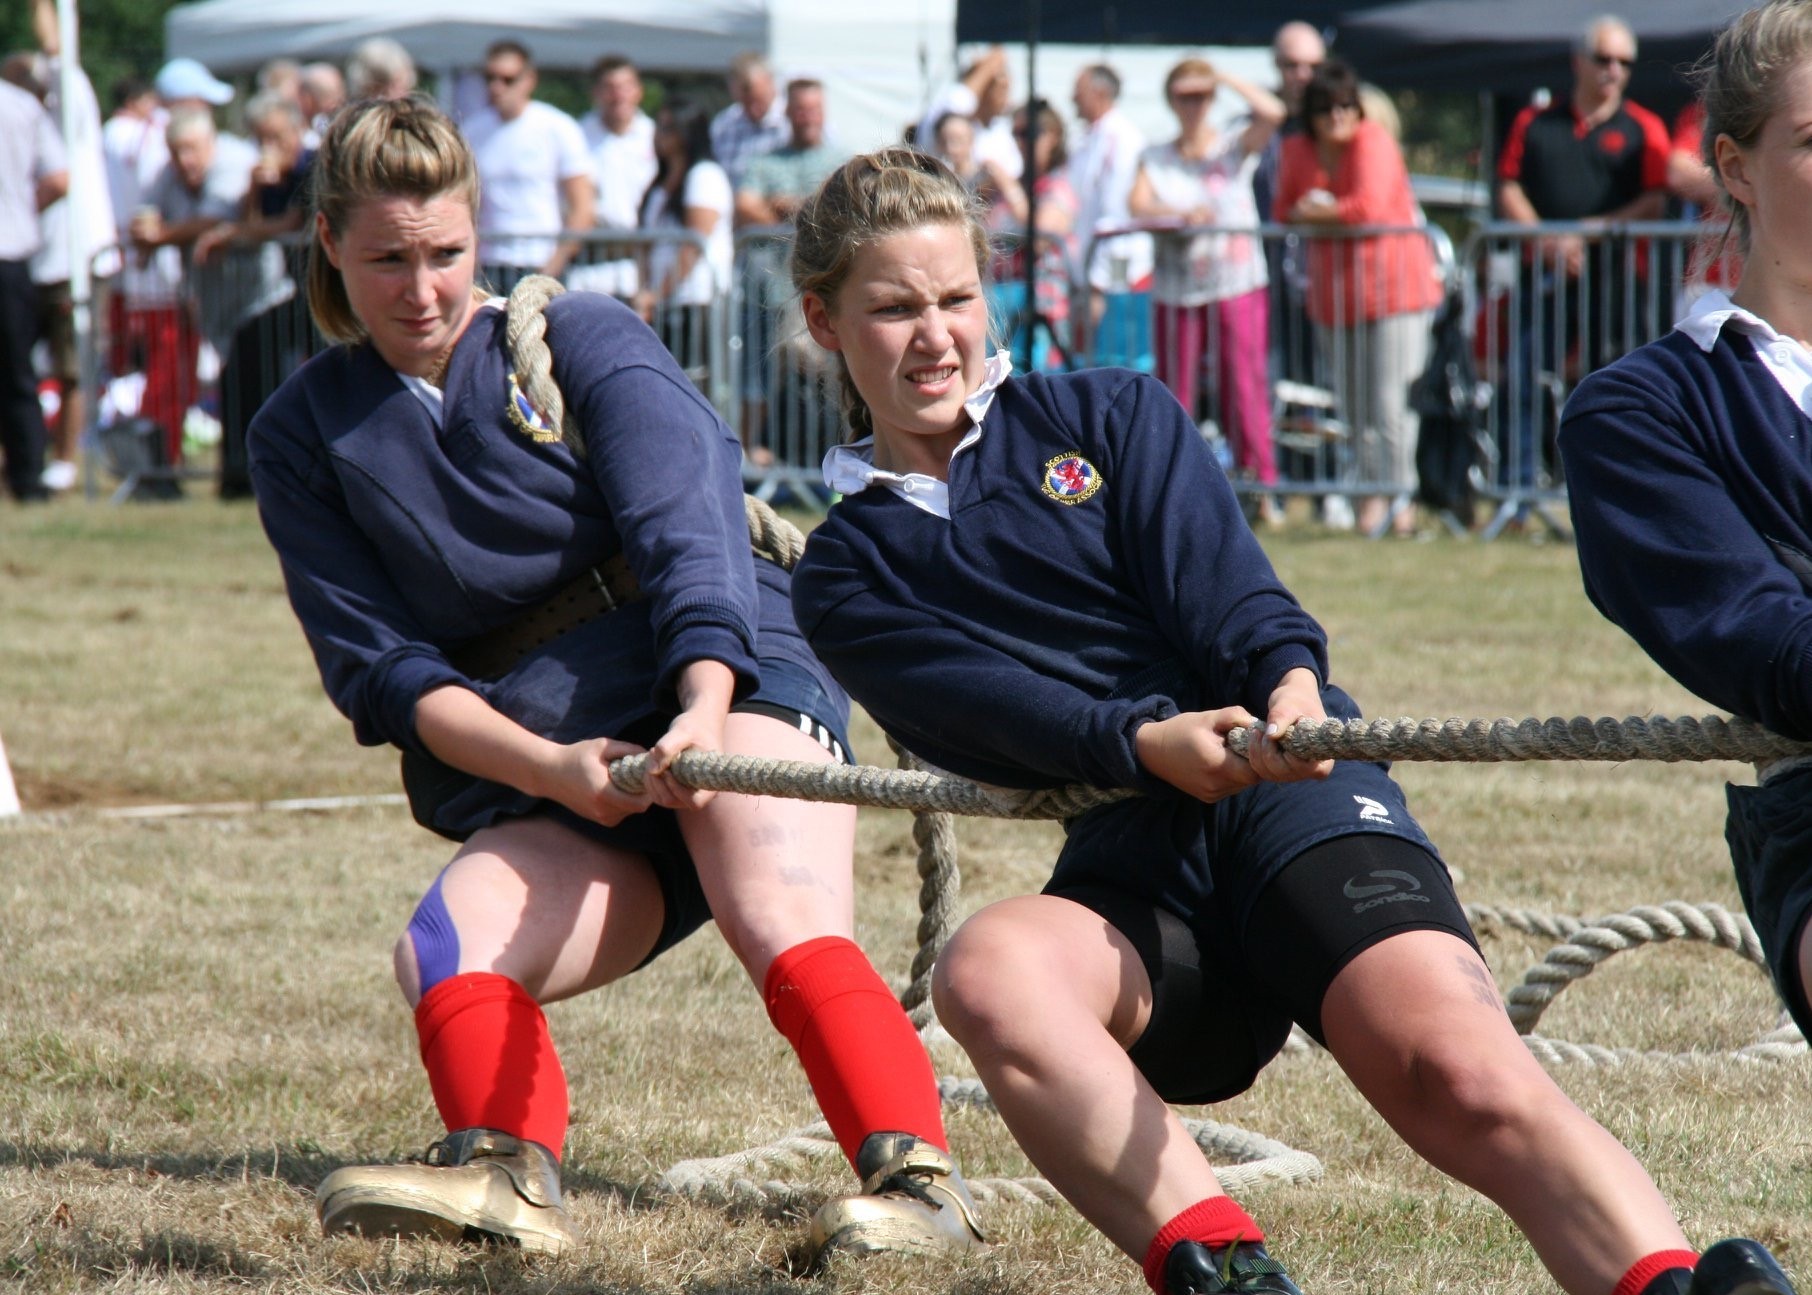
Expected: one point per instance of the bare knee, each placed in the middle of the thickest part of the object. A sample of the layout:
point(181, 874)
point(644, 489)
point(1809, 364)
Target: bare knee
point(1460, 1105)
point(407, 969)
point(976, 986)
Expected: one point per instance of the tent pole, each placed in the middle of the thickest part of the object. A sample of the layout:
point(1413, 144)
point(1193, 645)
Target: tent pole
point(1029, 312)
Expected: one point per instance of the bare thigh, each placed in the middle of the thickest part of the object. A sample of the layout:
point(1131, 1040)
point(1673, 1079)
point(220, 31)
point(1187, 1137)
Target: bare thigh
point(555, 911)
point(776, 871)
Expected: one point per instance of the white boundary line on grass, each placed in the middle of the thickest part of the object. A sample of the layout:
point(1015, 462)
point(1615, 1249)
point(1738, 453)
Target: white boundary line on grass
point(216, 808)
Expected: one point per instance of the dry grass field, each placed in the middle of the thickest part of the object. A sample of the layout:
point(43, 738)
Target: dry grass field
point(197, 1023)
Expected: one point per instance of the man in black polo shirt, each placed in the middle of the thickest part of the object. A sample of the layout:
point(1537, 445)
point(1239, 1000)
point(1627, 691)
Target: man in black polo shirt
point(1596, 158)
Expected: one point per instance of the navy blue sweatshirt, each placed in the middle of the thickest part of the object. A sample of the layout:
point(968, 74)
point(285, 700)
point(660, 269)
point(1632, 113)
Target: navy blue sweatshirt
point(1023, 641)
point(400, 539)
point(1690, 476)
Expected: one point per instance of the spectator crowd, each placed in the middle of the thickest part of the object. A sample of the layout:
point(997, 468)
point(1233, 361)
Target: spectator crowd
point(1164, 254)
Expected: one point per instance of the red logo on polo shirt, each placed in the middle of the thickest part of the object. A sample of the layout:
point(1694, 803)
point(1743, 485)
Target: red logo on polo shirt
point(1612, 141)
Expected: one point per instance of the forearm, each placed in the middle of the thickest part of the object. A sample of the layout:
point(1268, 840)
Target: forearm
point(1515, 204)
point(462, 729)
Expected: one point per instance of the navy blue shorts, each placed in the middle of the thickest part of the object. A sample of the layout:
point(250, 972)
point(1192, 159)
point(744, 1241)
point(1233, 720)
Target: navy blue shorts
point(787, 692)
point(1769, 829)
point(1194, 887)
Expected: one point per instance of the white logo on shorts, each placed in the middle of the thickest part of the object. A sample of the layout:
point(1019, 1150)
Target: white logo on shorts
point(1371, 811)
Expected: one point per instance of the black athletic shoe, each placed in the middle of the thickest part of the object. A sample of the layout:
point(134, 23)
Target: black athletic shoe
point(1242, 1269)
point(1738, 1266)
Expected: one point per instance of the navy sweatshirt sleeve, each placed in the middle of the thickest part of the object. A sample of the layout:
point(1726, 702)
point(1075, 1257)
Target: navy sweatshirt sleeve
point(374, 658)
point(671, 472)
point(1675, 516)
point(1196, 563)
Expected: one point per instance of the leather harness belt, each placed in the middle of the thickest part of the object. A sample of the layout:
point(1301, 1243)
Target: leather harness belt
point(600, 590)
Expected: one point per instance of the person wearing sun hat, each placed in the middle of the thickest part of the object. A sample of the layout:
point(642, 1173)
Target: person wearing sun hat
point(187, 80)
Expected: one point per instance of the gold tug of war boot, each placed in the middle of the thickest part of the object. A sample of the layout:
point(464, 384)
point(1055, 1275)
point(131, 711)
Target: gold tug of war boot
point(474, 1184)
point(913, 1200)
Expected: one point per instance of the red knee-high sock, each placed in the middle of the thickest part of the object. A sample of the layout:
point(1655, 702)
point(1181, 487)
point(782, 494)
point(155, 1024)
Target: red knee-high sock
point(866, 1065)
point(1214, 1222)
point(490, 1060)
point(1645, 1270)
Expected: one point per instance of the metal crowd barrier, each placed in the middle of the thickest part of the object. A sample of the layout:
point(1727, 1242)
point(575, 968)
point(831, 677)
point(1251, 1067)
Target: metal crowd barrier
point(1555, 302)
point(1455, 405)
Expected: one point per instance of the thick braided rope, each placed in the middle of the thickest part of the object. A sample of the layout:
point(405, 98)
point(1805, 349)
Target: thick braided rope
point(1635, 738)
point(767, 1175)
point(940, 887)
point(1587, 944)
point(1476, 740)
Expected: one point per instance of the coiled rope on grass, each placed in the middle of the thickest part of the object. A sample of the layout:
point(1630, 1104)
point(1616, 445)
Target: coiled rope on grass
point(765, 1175)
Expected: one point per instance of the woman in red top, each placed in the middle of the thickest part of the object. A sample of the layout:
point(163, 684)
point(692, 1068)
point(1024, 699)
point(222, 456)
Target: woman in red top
point(1370, 296)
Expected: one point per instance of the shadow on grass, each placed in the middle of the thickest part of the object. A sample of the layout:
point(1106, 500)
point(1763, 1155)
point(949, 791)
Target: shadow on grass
point(301, 1166)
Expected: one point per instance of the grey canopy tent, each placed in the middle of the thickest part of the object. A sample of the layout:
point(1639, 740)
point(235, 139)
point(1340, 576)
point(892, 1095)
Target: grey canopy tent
point(1513, 48)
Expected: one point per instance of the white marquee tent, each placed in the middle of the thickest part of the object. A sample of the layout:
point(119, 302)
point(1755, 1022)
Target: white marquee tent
point(877, 61)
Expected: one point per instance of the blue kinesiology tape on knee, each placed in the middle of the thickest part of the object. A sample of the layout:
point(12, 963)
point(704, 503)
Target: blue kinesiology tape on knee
point(435, 938)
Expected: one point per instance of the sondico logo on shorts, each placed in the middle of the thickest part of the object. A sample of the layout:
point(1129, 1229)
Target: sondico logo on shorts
point(1388, 887)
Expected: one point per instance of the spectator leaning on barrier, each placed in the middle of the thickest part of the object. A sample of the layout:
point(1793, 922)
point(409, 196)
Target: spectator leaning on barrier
point(1371, 297)
point(620, 137)
point(1209, 288)
point(1056, 237)
point(33, 174)
point(1102, 167)
point(273, 341)
point(534, 173)
point(1594, 157)
point(1297, 51)
point(772, 187)
point(689, 192)
point(321, 91)
point(146, 317)
point(982, 94)
point(379, 68)
point(754, 124)
point(198, 190)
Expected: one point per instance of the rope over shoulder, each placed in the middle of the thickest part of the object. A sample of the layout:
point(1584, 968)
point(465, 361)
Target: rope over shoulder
point(771, 536)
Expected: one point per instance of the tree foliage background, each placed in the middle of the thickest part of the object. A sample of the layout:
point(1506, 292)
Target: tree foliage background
point(118, 37)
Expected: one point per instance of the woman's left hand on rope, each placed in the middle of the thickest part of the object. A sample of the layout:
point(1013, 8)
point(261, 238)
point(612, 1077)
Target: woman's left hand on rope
point(1297, 696)
point(705, 690)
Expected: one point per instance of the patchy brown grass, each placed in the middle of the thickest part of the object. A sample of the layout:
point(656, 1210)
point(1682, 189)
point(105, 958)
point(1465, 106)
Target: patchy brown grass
point(197, 1021)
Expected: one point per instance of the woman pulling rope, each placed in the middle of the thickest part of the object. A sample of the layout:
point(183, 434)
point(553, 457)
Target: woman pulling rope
point(1041, 581)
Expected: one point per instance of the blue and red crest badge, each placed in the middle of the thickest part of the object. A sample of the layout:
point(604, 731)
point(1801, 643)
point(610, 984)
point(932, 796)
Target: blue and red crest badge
point(527, 419)
point(1070, 478)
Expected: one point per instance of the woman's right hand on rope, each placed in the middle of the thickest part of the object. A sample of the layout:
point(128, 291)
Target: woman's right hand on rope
point(1297, 696)
point(1190, 752)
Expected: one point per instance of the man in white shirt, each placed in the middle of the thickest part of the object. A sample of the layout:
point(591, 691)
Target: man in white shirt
point(534, 174)
point(621, 139)
point(1103, 166)
point(983, 94)
point(33, 174)
point(755, 124)
point(69, 235)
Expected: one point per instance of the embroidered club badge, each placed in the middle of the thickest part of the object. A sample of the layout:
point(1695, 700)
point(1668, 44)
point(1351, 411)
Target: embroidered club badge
point(528, 420)
point(1070, 478)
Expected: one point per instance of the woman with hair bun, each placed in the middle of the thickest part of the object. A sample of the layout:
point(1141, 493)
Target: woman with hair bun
point(1049, 580)
point(513, 610)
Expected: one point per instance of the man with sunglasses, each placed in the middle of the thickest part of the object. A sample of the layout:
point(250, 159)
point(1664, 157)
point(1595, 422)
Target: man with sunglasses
point(1594, 157)
point(534, 173)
